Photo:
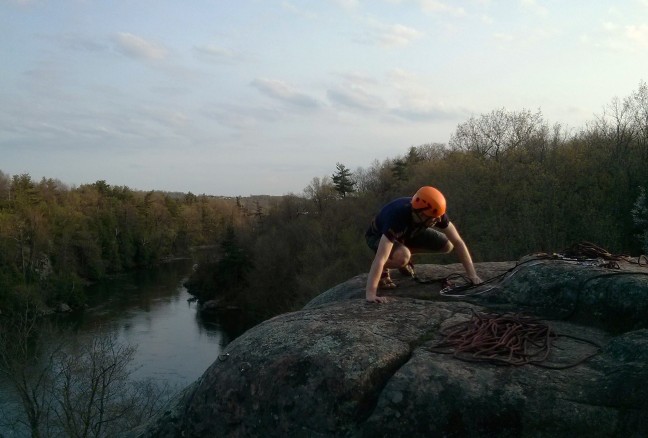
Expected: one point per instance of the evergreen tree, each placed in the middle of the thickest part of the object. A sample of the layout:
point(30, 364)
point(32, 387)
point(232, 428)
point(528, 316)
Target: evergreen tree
point(343, 181)
point(399, 170)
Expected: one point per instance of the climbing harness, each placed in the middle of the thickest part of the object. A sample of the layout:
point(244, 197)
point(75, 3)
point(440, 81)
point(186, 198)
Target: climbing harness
point(507, 339)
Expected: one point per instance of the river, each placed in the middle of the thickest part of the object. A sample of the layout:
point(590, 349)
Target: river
point(153, 311)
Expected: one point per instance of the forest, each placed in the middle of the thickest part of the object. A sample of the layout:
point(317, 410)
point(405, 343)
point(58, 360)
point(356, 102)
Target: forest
point(515, 184)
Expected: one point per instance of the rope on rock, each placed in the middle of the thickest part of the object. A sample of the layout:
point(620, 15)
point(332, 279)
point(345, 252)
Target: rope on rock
point(644, 259)
point(593, 251)
point(589, 250)
point(508, 339)
point(457, 285)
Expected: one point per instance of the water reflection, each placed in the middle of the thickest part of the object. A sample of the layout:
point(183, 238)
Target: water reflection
point(152, 310)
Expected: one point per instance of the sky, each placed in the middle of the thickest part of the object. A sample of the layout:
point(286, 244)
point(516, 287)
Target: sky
point(246, 97)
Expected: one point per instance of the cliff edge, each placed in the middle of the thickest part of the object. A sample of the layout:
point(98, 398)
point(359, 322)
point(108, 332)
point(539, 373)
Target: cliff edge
point(344, 367)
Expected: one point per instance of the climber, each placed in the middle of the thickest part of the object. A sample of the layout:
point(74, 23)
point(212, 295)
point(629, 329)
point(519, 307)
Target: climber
point(407, 226)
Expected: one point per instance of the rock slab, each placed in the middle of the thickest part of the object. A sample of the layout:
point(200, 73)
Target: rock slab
point(342, 367)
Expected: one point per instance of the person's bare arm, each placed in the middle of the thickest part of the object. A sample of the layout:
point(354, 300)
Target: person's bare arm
point(461, 250)
point(377, 266)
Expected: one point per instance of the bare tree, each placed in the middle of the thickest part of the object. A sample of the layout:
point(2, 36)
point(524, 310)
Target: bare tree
point(624, 124)
point(490, 135)
point(28, 370)
point(74, 387)
point(321, 192)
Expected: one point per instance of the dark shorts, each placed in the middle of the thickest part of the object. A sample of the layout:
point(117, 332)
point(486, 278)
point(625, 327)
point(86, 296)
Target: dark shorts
point(425, 241)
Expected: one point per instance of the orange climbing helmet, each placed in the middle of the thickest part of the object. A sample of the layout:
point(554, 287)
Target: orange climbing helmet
point(429, 201)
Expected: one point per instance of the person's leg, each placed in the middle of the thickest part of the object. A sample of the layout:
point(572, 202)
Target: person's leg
point(429, 241)
point(426, 241)
point(398, 257)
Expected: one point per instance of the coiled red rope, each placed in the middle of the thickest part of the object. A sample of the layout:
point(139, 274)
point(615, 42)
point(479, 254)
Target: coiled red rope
point(509, 339)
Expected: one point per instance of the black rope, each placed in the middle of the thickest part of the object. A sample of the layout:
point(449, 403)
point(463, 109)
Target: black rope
point(580, 253)
point(449, 288)
point(644, 258)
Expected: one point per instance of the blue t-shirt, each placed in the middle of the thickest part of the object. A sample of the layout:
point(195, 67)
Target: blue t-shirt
point(395, 220)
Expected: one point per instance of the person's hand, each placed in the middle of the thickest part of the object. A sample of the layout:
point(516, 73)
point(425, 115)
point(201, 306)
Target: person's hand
point(373, 298)
point(475, 279)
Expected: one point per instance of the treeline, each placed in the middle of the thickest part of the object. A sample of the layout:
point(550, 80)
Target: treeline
point(515, 185)
point(54, 240)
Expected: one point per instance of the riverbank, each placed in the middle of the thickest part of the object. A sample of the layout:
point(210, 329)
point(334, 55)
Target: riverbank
point(152, 311)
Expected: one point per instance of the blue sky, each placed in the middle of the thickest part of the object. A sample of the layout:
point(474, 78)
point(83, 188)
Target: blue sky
point(241, 97)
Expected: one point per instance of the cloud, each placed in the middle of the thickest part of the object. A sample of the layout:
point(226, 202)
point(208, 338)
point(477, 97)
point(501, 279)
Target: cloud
point(355, 98)
point(347, 4)
point(398, 35)
point(487, 19)
point(421, 111)
point(139, 48)
point(213, 50)
point(401, 94)
point(504, 37)
point(395, 35)
point(437, 7)
point(416, 102)
point(167, 117)
point(78, 42)
point(240, 117)
point(298, 11)
point(219, 54)
point(618, 38)
point(637, 34)
point(534, 7)
point(358, 79)
point(532, 36)
point(281, 91)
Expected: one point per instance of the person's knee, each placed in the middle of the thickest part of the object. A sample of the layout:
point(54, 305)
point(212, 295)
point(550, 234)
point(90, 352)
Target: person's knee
point(401, 256)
